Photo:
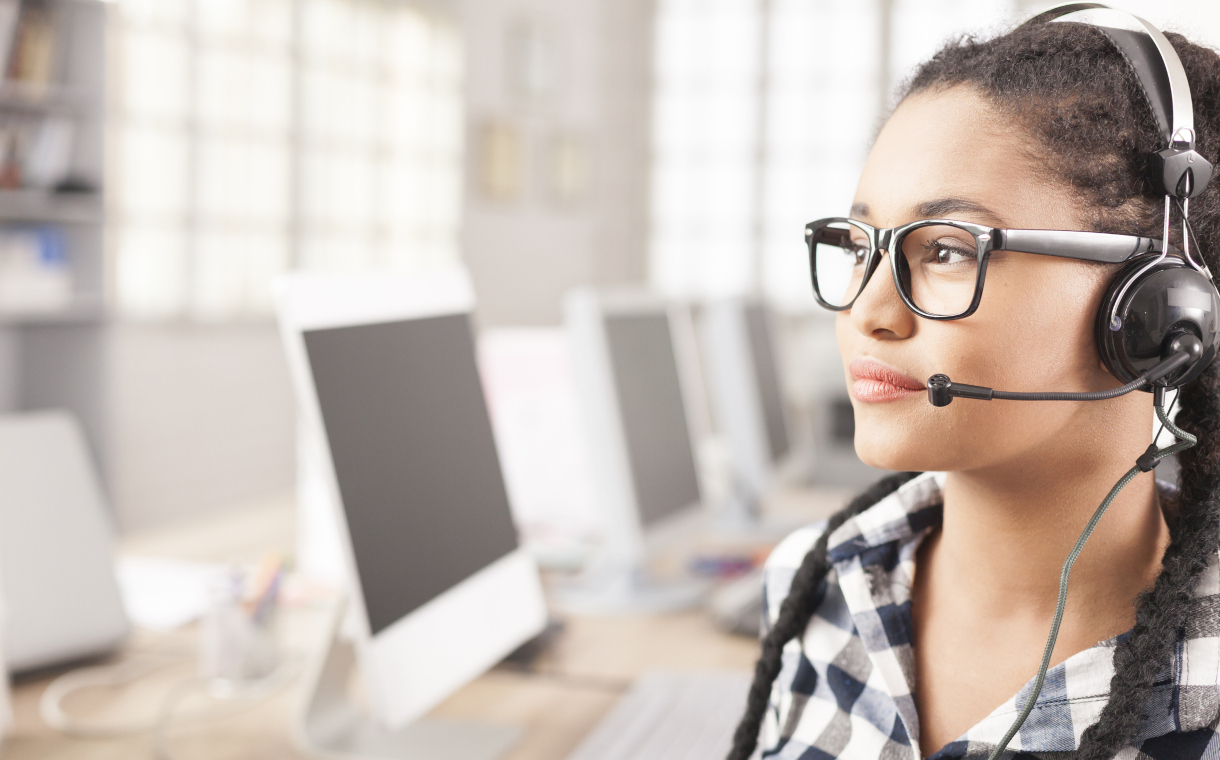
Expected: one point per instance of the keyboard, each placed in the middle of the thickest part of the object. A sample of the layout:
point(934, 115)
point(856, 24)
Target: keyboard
point(671, 716)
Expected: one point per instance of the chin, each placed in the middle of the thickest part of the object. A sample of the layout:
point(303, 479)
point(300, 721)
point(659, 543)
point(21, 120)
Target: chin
point(895, 458)
point(889, 440)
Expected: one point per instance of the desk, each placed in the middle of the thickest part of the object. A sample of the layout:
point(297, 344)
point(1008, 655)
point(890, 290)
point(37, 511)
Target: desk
point(582, 674)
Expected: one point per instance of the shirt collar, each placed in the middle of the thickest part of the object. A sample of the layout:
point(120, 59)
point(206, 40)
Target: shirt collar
point(873, 554)
point(904, 515)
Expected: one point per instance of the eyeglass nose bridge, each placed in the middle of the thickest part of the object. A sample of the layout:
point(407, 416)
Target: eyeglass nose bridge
point(884, 239)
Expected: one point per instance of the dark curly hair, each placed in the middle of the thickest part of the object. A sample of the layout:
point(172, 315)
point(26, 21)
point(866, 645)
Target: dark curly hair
point(1092, 126)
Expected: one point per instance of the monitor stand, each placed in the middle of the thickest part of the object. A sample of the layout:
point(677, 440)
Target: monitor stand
point(613, 589)
point(333, 723)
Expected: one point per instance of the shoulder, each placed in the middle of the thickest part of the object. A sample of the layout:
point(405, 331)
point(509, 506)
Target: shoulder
point(792, 550)
point(781, 566)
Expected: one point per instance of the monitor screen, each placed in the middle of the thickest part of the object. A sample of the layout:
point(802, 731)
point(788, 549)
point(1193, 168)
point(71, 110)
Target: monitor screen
point(654, 419)
point(416, 464)
point(766, 377)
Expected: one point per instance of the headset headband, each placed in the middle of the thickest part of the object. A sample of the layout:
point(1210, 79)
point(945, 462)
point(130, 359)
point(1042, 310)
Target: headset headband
point(1182, 171)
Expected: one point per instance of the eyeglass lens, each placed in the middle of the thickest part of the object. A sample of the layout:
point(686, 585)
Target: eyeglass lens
point(937, 271)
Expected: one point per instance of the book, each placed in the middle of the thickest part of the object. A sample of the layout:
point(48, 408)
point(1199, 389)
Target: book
point(9, 12)
point(33, 56)
point(48, 159)
point(35, 276)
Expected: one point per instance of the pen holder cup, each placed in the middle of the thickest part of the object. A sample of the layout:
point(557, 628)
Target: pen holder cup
point(237, 641)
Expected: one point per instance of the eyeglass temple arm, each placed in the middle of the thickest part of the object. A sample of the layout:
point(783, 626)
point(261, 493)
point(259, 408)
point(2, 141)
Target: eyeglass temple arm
point(1086, 246)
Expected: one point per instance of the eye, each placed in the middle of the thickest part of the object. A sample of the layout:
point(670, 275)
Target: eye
point(947, 252)
point(859, 251)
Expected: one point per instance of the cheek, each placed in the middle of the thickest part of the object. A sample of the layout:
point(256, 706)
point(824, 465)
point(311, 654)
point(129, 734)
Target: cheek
point(1033, 331)
point(1037, 325)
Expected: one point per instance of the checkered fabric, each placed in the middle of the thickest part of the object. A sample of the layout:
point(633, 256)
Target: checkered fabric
point(845, 690)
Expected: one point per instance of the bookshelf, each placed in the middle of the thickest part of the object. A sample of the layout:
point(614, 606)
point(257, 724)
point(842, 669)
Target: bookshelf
point(52, 220)
point(51, 147)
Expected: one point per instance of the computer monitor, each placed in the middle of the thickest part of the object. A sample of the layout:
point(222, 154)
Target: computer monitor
point(384, 367)
point(744, 383)
point(637, 375)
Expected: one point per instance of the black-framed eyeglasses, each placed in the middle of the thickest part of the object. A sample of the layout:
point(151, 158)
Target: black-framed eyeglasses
point(943, 263)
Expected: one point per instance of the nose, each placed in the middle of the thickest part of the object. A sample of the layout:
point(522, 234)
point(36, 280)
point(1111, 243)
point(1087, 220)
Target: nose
point(879, 311)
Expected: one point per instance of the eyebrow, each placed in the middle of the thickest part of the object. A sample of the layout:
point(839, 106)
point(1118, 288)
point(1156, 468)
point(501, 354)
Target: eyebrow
point(937, 209)
point(942, 207)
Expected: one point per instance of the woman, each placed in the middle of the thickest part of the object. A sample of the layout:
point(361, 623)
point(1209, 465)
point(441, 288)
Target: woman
point(915, 618)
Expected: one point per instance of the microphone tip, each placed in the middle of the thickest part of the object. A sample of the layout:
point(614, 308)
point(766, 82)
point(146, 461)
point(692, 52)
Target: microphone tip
point(938, 390)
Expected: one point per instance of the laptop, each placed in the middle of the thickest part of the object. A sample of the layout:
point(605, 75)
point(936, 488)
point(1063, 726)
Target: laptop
point(59, 591)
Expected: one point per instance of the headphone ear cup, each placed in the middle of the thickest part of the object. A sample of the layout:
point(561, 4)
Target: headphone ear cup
point(1157, 306)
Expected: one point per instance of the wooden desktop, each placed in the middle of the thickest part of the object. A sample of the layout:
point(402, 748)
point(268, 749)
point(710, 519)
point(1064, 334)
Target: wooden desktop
point(563, 696)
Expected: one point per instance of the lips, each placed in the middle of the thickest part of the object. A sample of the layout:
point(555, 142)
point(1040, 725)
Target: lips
point(875, 382)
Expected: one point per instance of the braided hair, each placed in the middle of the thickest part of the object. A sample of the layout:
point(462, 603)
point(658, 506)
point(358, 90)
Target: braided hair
point(1093, 128)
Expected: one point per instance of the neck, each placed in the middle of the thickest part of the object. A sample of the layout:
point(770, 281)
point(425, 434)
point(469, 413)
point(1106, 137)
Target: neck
point(1007, 531)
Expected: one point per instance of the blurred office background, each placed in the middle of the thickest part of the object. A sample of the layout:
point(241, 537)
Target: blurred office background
point(163, 160)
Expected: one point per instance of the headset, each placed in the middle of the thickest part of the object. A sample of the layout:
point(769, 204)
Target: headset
point(1156, 328)
point(1157, 325)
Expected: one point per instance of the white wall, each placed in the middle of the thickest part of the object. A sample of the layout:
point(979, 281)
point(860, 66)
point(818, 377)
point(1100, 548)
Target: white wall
point(525, 252)
point(9, 352)
point(199, 418)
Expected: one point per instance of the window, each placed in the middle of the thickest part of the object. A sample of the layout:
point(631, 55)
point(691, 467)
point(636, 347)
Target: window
point(763, 114)
point(823, 103)
point(705, 139)
point(248, 137)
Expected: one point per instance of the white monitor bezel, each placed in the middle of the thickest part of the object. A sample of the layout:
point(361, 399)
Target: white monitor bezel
point(628, 540)
point(428, 654)
point(735, 395)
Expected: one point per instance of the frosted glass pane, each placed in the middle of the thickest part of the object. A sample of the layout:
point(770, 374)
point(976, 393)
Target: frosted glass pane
point(154, 74)
point(705, 145)
point(337, 253)
point(410, 47)
point(927, 24)
point(139, 13)
point(823, 108)
point(378, 159)
point(151, 178)
point(383, 139)
point(332, 28)
point(150, 271)
point(222, 17)
point(337, 188)
point(244, 91)
point(267, 21)
point(233, 274)
point(240, 181)
point(364, 44)
point(338, 104)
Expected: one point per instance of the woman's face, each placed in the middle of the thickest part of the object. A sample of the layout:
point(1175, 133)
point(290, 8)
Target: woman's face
point(948, 154)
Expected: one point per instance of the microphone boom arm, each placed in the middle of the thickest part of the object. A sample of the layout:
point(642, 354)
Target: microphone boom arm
point(1184, 349)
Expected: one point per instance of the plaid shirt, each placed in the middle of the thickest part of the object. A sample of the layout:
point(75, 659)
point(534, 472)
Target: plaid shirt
point(846, 687)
